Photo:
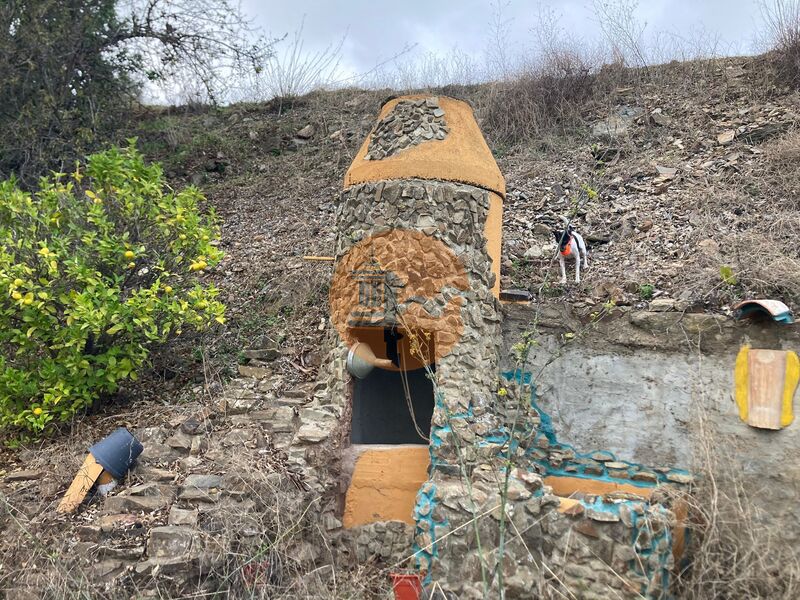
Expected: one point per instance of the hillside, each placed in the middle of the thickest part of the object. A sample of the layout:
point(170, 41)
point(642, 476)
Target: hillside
point(683, 179)
point(692, 165)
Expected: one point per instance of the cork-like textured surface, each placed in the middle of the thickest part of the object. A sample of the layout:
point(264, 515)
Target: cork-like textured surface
point(385, 484)
point(462, 156)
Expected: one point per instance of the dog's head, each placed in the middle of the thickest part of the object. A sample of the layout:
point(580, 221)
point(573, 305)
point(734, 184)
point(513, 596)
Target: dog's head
point(562, 238)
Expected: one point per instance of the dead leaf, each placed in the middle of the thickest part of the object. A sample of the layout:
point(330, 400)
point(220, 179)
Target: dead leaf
point(726, 137)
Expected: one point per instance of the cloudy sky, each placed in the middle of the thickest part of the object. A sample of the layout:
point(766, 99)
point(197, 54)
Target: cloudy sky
point(376, 30)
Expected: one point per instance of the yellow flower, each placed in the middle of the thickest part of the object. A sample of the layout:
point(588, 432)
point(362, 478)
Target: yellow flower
point(168, 289)
point(502, 392)
point(182, 236)
point(37, 411)
point(45, 251)
point(131, 265)
point(129, 254)
point(18, 282)
point(28, 300)
point(16, 295)
point(198, 266)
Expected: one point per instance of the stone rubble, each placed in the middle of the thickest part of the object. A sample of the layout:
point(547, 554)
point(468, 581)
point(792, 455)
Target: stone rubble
point(409, 123)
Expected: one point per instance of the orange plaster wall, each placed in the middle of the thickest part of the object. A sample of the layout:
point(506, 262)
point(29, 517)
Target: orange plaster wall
point(566, 486)
point(384, 485)
point(493, 231)
point(463, 156)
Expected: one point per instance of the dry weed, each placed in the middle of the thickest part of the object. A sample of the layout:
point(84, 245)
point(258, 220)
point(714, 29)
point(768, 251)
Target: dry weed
point(781, 22)
point(736, 551)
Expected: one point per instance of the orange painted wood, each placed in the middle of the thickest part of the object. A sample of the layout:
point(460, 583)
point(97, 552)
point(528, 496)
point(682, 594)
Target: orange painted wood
point(87, 475)
point(765, 390)
point(384, 485)
point(566, 486)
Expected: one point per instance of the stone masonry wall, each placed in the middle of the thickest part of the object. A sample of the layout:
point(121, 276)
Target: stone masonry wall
point(602, 543)
point(410, 123)
point(455, 215)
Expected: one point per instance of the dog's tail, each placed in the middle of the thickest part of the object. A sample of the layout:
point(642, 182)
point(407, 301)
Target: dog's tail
point(567, 223)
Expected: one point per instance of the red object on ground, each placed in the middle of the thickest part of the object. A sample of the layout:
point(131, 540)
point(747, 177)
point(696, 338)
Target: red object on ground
point(405, 586)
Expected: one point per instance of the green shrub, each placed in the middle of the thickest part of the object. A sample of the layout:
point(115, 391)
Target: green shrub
point(95, 267)
point(646, 291)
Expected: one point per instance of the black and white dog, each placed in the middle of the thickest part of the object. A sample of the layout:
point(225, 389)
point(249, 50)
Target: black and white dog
point(571, 244)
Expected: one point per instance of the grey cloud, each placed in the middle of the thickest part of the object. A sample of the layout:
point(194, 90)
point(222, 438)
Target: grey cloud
point(377, 30)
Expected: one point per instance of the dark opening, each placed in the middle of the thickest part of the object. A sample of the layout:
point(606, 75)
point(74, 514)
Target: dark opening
point(380, 409)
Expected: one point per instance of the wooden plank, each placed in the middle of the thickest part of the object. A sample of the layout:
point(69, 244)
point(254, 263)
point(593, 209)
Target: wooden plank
point(565, 486)
point(87, 475)
point(320, 258)
point(767, 377)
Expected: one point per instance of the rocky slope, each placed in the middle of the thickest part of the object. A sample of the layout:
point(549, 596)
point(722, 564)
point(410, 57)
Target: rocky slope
point(684, 183)
point(691, 177)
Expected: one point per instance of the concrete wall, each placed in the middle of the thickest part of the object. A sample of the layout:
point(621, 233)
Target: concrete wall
point(638, 385)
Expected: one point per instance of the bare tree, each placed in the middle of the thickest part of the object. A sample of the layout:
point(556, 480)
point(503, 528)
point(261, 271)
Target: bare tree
point(70, 68)
point(622, 30)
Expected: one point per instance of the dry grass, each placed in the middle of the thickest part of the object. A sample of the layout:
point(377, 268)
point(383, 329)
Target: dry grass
point(736, 549)
point(784, 155)
point(537, 103)
point(781, 21)
point(261, 541)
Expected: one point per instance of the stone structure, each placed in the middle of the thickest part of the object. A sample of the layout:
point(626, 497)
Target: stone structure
point(474, 490)
point(652, 387)
point(503, 499)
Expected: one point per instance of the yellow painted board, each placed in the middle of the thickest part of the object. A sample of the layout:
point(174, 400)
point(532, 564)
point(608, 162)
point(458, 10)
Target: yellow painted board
point(765, 384)
point(384, 485)
point(87, 476)
point(792, 379)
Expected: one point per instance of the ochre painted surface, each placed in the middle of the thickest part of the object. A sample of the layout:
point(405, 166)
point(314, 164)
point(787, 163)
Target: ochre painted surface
point(566, 486)
point(566, 503)
point(462, 156)
point(765, 382)
point(373, 337)
point(422, 268)
point(87, 475)
point(681, 510)
point(384, 485)
point(563, 487)
point(493, 231)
